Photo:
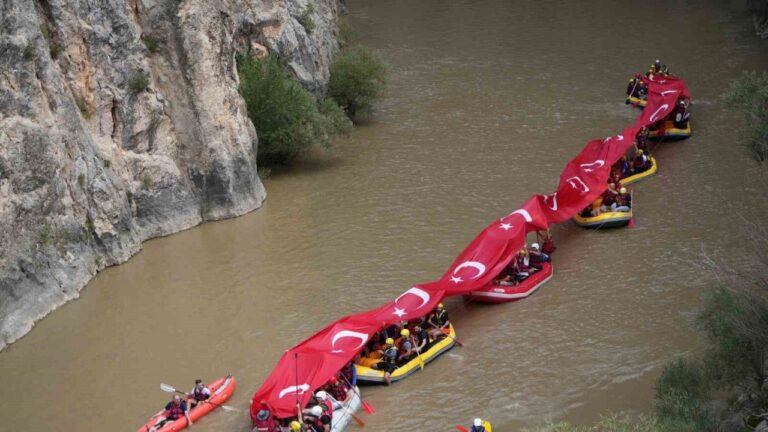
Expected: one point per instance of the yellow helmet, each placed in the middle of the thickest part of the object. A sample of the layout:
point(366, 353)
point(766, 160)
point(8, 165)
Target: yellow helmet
point(295, 426)
point(623, 190)
point(389, 341)
point(405, 332)
point(441, 306)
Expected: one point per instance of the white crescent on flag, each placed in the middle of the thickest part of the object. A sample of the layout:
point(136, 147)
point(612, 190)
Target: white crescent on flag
point(348, 333)
point(658, 111)
point(418, 292)
point(480, 267)
point(300, 390)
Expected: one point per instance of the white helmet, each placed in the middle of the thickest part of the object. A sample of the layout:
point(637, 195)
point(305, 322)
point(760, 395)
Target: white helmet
point(321, 395)
point(316, 411)
point(535, 246)
point(477, 422)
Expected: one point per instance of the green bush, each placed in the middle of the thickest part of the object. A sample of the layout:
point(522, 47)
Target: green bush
point(55, 50)
point(107, 163)
point(749, 95)
point(358, 79)
point(138, 82)
point(305, 19)
point(286, 115)
point(681, 398)
point(29, 51)
point(347, 35)
point(152, 43)
point(146, 182)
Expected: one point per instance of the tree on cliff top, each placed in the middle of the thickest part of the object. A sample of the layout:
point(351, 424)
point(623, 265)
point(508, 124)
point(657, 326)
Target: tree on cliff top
point(358, 79)
point(287, 117)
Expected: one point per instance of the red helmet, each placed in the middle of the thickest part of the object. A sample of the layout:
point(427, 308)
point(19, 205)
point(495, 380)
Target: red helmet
point(333, 381)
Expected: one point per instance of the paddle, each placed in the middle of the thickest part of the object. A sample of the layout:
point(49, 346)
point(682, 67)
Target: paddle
point(170, 389)
point(632, 92)
point(461, 428)
point(366, 406)
point(458, 342)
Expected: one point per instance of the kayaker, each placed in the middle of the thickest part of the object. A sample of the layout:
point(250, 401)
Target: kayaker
point(174, 410)
point(388, 361)
point(438, 321)
point(317, 420)
point(198, 394)
point(406, 346)
point(623, 201)
point(477, 426)
point(264, 421)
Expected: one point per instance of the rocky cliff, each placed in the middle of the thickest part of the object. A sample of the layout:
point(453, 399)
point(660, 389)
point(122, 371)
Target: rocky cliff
point(120, 121)
point(759, 10)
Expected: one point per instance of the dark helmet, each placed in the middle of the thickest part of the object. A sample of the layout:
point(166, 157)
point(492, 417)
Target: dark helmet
point(262, 415)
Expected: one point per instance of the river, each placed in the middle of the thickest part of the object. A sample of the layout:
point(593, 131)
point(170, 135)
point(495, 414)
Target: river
point(487, 102)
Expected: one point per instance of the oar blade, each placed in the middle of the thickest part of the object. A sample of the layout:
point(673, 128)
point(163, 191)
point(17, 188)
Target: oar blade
point(461, 428)
point(357, 419)
point(368, 408)
point(167, 388)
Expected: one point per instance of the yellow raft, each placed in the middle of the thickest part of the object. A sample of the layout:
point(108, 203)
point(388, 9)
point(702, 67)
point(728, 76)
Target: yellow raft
point(641, 175)
point(366, 373)
point(671, 132)
point(636, 101)
point(604, 220)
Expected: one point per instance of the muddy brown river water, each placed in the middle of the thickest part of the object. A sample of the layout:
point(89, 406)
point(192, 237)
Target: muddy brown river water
point(487, 102)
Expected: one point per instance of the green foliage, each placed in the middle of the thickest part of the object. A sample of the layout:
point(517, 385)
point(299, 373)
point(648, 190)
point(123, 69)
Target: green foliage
point(610, 423)
point(45, 234)
point(81, 180)
point(146, 182)
point(681, 395)
point(305, 19)
point(347, 35)
point(29, 51)
point(264, 172)
point(358, 79)
point(749, 95)
point(138, 82)
point(152, 43)
point(45, 31)
point(55, 49)
point(286, 116)
point(736, 329)
point(107, 163)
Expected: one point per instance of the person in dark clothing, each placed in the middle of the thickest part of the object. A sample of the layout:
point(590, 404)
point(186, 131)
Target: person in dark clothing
point(174, 410)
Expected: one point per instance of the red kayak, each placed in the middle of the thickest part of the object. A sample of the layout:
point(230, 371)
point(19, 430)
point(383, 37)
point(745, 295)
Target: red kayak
point(221, 391)
point(493, 293)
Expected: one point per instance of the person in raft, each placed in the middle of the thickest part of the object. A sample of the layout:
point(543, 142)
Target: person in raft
point(316, 420)
point(406, 346)
point(537, 257)
point(680, 115)
point(641, 162)
point(623, 202)
point(174, 410)
point(349, 374)
point(477, 426)
point(659, 68)
point(438, 322)
point(265, 422)
point(388, 361)
point(198, 394)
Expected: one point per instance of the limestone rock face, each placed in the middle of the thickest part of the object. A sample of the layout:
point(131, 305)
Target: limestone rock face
point(120, 120)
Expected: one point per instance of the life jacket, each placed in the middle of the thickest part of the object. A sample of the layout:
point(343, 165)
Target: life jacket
point(623, 200)
point(390, 355)
point(199, 394)
point(548, 247)
point(440, 317)
point(328, 407)
point(608, 197)
point(175, 412)
point(477, 429)
point(522, 264)
point(265, 422)
point(339, 392)
point(410, 339)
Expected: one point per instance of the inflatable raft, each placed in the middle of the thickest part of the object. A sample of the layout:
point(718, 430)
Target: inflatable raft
point(342, 415)
point(368, 374)
point(604, 220)
point(221, 391)
point(636, 101)
point(641, 175)
point(492, 293)
point(669, 131)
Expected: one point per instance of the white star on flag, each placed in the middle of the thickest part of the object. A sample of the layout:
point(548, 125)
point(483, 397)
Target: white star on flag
point(506, 226)
point(456, 279)
point(399, 312)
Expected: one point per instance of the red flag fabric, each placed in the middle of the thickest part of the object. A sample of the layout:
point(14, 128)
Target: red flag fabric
point(310, 364)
